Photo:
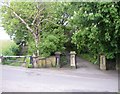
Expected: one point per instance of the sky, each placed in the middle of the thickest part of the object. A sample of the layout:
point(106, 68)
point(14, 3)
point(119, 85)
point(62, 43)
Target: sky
point(3, 34)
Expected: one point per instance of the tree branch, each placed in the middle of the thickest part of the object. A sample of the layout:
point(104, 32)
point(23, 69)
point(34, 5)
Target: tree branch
point(49, 21)
point(22, 20)
point(37, 14)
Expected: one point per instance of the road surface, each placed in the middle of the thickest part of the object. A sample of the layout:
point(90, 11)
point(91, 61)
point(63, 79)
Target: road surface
point(19, 79)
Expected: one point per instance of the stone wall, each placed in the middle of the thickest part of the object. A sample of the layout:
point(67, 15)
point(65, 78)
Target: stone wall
point(46, 62)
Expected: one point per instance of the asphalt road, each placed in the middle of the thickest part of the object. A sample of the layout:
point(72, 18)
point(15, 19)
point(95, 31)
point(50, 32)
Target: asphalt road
point(19, 79)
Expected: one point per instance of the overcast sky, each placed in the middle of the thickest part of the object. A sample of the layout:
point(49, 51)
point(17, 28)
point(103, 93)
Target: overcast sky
point(3, 34)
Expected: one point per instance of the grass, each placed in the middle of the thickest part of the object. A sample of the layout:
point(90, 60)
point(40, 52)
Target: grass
point(15, 64)
point(13, 61)
point(12, 64)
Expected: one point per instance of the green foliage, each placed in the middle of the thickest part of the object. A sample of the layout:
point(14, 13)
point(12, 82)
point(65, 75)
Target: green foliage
point(52, 42)
point(11, 49)
point(92, 27)
point(15, 64)
point(31, 47)
point(63, 60)
point(44, 24)
point(16, 28)
point(48, 45)
point(6, 63)
point(97, 28)
point(12, 25)
point(28, 65)
point(12, 61)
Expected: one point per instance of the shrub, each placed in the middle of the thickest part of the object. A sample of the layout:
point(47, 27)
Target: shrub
point(10, 50)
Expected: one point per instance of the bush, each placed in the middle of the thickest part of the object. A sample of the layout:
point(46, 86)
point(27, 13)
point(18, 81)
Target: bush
point(28, 65)
point(52, 42)
point(12, 49)
point(63, 60)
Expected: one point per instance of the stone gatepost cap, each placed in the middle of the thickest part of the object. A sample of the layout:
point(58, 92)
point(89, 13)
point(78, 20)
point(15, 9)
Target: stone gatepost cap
point(102, 55)
point(72, 52)
point(57, 52)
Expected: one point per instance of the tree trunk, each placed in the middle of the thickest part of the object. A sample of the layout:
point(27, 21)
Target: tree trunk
point(35, 34)
point(36, 44)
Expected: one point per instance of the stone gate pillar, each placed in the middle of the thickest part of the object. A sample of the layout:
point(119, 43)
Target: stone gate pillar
point(57, 55)
point(73, 59)
point(103, 65)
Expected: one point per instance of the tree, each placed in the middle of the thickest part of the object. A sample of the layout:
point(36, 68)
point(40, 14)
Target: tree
point(24, 20)
point(97, 28)
point(27, 22)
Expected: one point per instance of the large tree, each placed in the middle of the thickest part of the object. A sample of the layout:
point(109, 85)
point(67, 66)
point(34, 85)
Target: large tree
point(97, 28)
point(24, 18)
point(32, 23)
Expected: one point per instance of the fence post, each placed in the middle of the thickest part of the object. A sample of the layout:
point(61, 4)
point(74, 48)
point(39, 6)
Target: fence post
point(31, 61)
point(57, 55)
